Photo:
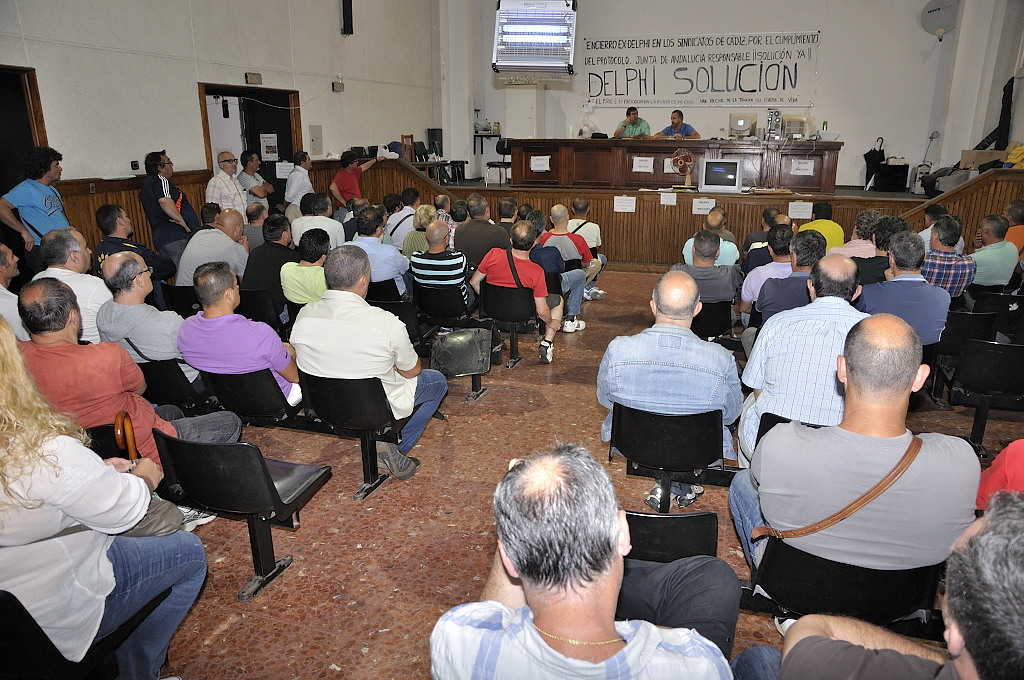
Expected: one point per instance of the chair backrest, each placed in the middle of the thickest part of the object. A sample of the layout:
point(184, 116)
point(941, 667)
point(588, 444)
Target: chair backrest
point(420, 150)
point(964, 326)
point(1009, 307)
point(669, 537)
point(689, 442)
point(573, 264)
point(249, 395)
point(230, 477)
point(26, 650)
point(407, 148)
point(361, 150)
point(554, 283)
point(714, 319)
point(355, 404)
point(991, 368)
point(503, 147)
point(166, 384)
point(806, 584)
point(258, 305)
point(442, 302)
point(371, 151)
point(183, 300)
point(384, 291)
point(406, 312)
point(507, 304)
point(767, 422)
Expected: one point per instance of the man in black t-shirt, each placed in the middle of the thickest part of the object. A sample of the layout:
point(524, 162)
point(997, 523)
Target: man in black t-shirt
point(872, 269)
point(170, 215)
point(263, 269)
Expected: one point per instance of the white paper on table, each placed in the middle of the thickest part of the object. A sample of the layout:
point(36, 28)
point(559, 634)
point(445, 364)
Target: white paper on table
point(669, 168)
point(703, 206)
point(540, 163)
point(284, 168)
point(802, 167)
point(668, 198)
point(800, 210)
point(625, 204)
point(643, 164)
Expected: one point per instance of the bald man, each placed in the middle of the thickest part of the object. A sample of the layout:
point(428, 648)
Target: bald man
point(226, 242)
point(799, 475)
point(224, 189)
point(143, 331)
point(572, 246)
point(439, 266)
point(667, 369)
point(715, 222)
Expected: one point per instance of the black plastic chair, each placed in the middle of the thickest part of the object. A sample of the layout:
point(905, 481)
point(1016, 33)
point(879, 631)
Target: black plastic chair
point(503, 148)
point(258, 305)
point(976, 291)
point(1009, 307)
point(441, 304)
point(255, 397)
point(714, 319)
point(183, 300)
point(116, 440)
point(235, 480)
point(166, 384)
point(512, 306)
point(27, 651)
point(667, 538)
point(406, 312)
point(420, 151)
point(361, 151)
point(797, 583)
point(383, 291)
point(669, 448)
point(989, 375)
point(960, 327)
point(356, 408)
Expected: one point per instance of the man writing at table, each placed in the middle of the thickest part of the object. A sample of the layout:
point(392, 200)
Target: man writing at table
point(633, 125)
point(678, 129)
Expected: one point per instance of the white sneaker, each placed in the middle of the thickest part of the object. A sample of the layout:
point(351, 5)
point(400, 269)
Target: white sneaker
point(194, 518)
point(593, 294)
point(546, 349)
point(573, 326)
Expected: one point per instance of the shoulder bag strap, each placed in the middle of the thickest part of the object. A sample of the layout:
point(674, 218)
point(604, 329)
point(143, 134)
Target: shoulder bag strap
point(583, 224)
point(392, 234)
point(868, 496)
point(137, 350)
point(512, 266)
point(73, 529)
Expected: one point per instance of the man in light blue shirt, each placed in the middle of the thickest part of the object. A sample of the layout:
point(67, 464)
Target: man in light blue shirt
point(678, 129)
point(38, 203)
point(386, 262)
point(997, 257)
point(729, 253)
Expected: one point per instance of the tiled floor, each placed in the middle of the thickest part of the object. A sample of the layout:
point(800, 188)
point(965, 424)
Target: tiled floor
point(370, 579)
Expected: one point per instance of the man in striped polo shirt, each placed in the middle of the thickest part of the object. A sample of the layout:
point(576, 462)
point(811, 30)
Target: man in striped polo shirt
point(439, 266)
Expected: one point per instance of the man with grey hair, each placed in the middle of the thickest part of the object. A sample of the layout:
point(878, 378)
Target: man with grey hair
point(255, 215)
point(559, 581)
point(667, 369)
point(342, 336)
point(68, 258)
point(800, 474)
point(478, 235)
point(861, 244)
point(906, 293)
point(8, 300)
point(943, 266)
point(573, 247)
point(778, 295)
point(224, 189)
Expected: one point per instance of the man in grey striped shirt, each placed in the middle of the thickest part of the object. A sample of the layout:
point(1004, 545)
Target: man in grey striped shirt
point(439, 266)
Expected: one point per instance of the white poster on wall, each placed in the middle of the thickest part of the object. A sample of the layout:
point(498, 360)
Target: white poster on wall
point(703, 206)
point(687, 71)
point(624, 203)
point(268, 147)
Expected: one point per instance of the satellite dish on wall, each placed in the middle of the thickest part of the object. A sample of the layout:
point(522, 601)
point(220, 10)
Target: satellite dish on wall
point(939, 17)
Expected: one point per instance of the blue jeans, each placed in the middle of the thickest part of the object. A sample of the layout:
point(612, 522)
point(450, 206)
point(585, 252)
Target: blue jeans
point(574, 281)
point(431, 387)
point(604, 261)
point(213, 428)
point(746, 512)
point(143, 568)
point(172, 251)
point(757, 663)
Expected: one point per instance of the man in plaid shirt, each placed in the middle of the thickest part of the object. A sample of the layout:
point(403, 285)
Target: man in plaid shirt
point(942, 266)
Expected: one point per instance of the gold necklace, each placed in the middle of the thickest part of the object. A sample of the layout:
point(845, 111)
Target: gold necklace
point(577, 642)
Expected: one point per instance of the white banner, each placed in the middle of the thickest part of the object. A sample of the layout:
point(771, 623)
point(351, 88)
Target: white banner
point(737, 69)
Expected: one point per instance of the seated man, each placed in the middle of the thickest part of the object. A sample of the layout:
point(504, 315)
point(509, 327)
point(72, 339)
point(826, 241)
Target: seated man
point(508, 208)
point(632, 126)
point(800, 475)
point(496, 267)
point(872, 269)
point(387, 262)
point(225, 243)
point(316, 214)
point(792, 368)
point(8, 300)
point(342, 336)
point(217, 340)
point(677, 129)
point(255, 215)
point(572, 281)
point(907, 295)
point(68, 258)
point(730, 254)
point(667, 369)
point(548, 606)
point(716, 283)
point(778, 295)
point(208, 214)
point(263, 269)
point(116, 227)
point(931, 215)
point(442, 202)
point(400, 222)
point(821, 222)
point(572, 246)
point(91, 383)
point(861, 244)
point(146, 333)
point(477, 235)
point(942, 266)
point(997, 257)
point(304, 282)
point(439, 266)
point(591, 233)
point(350, 225)
point(757, 241)
point(780, 267)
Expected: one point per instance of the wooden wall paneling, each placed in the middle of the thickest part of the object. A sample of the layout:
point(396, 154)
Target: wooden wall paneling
point(35, 107)
point(296, 123)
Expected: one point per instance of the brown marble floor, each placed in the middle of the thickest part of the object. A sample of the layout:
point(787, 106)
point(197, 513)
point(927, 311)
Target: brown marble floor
point(370, 579)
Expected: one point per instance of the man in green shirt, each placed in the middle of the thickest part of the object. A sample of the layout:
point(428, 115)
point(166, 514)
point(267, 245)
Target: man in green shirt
point(997, 258)
point(304, 282)
point(633, 126)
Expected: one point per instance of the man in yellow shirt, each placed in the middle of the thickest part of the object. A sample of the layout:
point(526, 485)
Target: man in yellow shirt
point(821, 215)
point(304, 282)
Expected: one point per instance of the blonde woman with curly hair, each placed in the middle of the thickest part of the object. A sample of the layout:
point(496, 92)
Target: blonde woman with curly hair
point(60, 510)
point(416, 240)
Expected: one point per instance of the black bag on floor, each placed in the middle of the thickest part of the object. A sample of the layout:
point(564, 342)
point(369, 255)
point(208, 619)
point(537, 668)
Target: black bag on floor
point(463, 351)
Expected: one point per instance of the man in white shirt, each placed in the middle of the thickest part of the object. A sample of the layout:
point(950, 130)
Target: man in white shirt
point(591, 233)
point(316, 214)
point(256, 188)
point(8, 300)
point(226, 242)
point(68, 258)
point(400, 222)
point(223, 189)
point(298, 185)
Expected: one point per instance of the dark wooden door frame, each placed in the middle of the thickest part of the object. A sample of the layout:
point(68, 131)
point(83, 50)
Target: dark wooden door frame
point(35, 107)
point(240, 90)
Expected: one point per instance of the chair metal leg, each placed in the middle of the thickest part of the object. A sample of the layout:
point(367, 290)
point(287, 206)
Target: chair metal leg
point(478, 390)
point(513, 354)
point(372, 476)
point(267, 568)
point(666, 493)
point(980, 420)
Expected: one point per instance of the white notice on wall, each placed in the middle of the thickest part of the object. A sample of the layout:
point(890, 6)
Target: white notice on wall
point(540, 163)
point(802, 167)
point(284, 168)
point(643, 164)
point(669, 167)
point(668, 198)
point(703, 206)
point(625, 204)
point(268, 147)
point(799, 210)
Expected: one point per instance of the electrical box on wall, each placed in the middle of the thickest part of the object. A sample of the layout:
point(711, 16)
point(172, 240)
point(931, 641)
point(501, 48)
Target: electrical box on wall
point(316, 140)
point(338, 86)
point(254, 78)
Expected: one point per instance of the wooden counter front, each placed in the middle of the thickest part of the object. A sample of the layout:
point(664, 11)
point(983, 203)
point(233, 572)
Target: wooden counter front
point(608, 163)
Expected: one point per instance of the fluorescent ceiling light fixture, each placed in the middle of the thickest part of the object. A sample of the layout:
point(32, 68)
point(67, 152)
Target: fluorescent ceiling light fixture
point(535, 36)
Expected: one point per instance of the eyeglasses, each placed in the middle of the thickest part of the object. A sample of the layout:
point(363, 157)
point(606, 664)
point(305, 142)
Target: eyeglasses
point(168, 162)
point(147, 270)
point(229, 160)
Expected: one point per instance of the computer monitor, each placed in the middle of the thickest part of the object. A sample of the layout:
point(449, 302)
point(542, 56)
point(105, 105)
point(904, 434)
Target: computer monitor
point(718, 175)
point(742, 125)
point(795, 126)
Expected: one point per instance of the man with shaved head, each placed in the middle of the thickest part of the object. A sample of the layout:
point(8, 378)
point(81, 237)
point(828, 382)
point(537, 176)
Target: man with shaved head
point(226, 242)
point(667, 369)
point(439, 266)
point(573, 247)
point(799, 475)
point(715, 222)
point(792, 367)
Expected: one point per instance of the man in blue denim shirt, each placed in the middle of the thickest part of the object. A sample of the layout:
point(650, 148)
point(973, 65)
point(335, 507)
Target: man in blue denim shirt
point(667, 369)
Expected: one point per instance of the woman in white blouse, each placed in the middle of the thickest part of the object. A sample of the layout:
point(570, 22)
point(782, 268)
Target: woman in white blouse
point(60, 508)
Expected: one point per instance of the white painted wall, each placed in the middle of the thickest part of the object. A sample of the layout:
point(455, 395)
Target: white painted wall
point(118, 78)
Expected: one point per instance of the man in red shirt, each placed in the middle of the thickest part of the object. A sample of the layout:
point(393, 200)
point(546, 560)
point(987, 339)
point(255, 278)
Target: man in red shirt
point(572, 246)
point(346, 181)
point(496, 267)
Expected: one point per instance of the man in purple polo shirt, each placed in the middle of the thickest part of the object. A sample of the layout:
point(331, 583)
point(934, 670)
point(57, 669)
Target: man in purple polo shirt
point(219, 341)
